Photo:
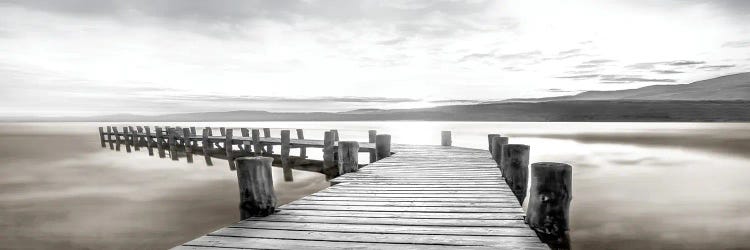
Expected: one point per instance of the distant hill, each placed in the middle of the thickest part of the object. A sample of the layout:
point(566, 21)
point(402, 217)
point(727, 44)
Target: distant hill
point(731, 87)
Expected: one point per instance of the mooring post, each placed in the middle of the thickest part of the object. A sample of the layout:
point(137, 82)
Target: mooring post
point(125, 136)
point(148, 141)
point(371, 134)
point(134, 138)
point(206, 146)
point(109, 137)
point(489, 141)
point(348, 157)
point(445, 138)
point(101, 137)
point(257, 198)
point(515, 162)
point(228, 147)
point(160, 142)
point(496, 151)
point(186, 144)
point(285, 148)
point(246, 145)
point(267, 134)
point(257, 148)
point(302, 149)
point(549, 202)
point(383, 146)
point(328, 145)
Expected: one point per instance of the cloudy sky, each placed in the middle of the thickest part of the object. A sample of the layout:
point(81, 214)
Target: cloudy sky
point(89, 57)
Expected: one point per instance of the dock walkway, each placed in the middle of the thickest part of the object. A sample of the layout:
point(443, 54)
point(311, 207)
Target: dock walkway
point(421, 197)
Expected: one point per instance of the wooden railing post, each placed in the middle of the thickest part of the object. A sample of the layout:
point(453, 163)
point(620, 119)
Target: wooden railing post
point(126, 138)
point(228, 142)
point(285, 148)
point(496, 150)
point(257, 198)
point(328, 145)
point(101, 137)
point(140, 137)
point(172, 141)
point(383, 145)
point(193, 132)
point(148, 141)
point(109, 137)
point(515, 163)
point(206, 146)
point(267, 134)
point(222, 131)
point(348, 157)
point(549, 202)
point(257, 148)
point(186, 144)
point(445, 138)
point(371, 134)
point(117, 138)
point(134, 138)
point(302, 149)
point(489, 141)
point(335, 134)
point(246, 145)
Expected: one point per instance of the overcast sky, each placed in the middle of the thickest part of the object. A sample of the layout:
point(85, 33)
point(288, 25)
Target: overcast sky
point(88, 57)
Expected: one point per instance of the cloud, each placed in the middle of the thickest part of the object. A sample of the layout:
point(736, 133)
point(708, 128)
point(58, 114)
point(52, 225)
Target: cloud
point(667, 71)
point(630, 79)
point(504, 57)
point(268, 99)
point(717, 67)
point(579, 77)
point(394, 41)
point(599, 61)
point(557, 90)
point(683, 63)
point(651, 65)
point(737, 44)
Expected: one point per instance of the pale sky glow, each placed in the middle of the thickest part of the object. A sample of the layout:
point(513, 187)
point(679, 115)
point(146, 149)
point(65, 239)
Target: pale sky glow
point(91, 57)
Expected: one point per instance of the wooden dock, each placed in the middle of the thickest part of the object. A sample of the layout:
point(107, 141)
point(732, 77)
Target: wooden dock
point(420, 197)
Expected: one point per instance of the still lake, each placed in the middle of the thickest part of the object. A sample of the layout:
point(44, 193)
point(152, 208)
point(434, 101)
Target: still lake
point(635, 185)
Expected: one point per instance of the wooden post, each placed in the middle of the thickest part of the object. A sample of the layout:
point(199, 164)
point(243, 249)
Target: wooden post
point(172, 140)
point(257, 198)
point(383, 145)
point(246, 145)
point(348, 157)
point(109, 137)
point(193, 132)
point(515, 162)
point(148, 141)
point(335, 134)
point(445, 138)
point(328, 145)
point(209, 134)
point(126, 138)
point(228, 147)
point(549, 202)
point(160, 142)
point(117, 138)
point(496, 150)
point(206, 146)
point(285, 148)
point(186, 144)
point(302, 150)
point(140, 136)
point(101, 137)
point(134, 138)
point(257, 148)
point(267, 134)
point(371, 134)
point(489, 141)
point(222, 131)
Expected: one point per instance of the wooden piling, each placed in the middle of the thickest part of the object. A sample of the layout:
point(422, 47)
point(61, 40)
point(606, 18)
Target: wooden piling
point(109, 137)
point(160, 142)
point(126, 138)
point(257, 148)
point(186, 144)
point(257, 198)
point(371, 134)
point(489, 141)
point(117, 138)
point(206, 146)
point(210, 133)
point(328, 145)
point(172, 140)
point(302, 150)
point(285, 148)
point(496, 150)
point(246, 145)
point(222, 131)
point(101, 137)
point(140, 135)
point(148, 141)
point(228, 147)
point(335, 134)
point(549, 202)
point(267, 134)
point(445, 138)
point(348, 157)
point(383, 146)
point(515, 162)
point(134, 138)
point(193, 132)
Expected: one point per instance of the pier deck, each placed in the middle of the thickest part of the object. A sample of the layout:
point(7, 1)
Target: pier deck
point(422, 197)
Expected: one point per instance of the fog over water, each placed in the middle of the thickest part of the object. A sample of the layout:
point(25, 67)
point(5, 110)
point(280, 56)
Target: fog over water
point(635, 185)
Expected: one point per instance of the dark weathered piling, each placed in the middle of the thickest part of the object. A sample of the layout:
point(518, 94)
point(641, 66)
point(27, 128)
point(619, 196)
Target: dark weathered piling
point(328, 146)
point(383, 145)
point(117, 138)
point(222, 131)
point(101, 137)
point(172, 142)
point(148, 141)
point(140, 135)
point(186, 144)
point(515, 163)
point(193, 132)
point(267, 134)
point(489, 141)
point(126, 138)
point(228, 147)
point(285, 149)
point(348, 157)
point(335, 134)
point(302, 150)
point(134, 138)
point(496, 150)
point(246, 146)
point(160, 142)
point(109, 137)
point(445, 138)
point(256, 143)
point(371, 134)
point(549, 202)
point(257, 198)
point(206, 146)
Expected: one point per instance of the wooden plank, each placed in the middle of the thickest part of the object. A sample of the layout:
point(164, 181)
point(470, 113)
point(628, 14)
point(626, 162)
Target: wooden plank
point(512, 222)
point(273, 243)
point(389, 229)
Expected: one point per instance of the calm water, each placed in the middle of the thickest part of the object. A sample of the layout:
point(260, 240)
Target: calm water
point(635, 185)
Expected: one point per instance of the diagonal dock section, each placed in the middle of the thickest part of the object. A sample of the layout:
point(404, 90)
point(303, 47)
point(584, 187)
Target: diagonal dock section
point(422, 197)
